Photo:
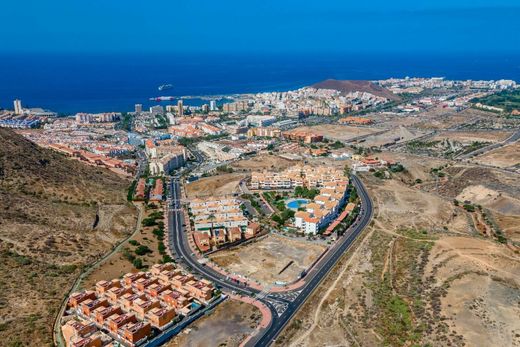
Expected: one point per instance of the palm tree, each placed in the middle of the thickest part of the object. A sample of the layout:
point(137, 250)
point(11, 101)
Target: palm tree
point(211, 217)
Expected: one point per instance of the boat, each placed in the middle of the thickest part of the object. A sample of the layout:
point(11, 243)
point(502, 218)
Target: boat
point(162, 98)
point(165, 87)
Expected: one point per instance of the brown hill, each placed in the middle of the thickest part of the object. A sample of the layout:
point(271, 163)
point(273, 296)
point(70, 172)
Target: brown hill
point(350, 86)
point(48, 208)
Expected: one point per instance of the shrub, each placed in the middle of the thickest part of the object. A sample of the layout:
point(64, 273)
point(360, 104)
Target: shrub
point(469, 207)
point(142, 250)
point(138, 263)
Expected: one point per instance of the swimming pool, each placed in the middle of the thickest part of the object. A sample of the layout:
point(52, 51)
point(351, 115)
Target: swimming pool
point(297, 203)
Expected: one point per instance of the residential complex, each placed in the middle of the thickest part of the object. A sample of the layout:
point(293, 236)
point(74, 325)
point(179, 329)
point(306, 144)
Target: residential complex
point(324, 208)
point(134, 309)
point(296, 176)
point(217, 221)
point(97, 118)
point(119, 166)
point(164, 157)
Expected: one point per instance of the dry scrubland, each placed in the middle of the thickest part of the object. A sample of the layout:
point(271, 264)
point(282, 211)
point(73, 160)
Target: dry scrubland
point(116, 265)
point(227, 326)
point(419, 275)
point(471, 136)
point(502, 157)
point(48, 207)
point(440, 118)
point(262, 162)
point(218, 185)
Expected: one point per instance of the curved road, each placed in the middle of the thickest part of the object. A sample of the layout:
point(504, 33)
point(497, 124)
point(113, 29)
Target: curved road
point(283, 305)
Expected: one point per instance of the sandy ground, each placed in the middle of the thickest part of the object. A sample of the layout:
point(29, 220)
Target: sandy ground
point(338, 131)
point(401, 133)
point(483, 280)
point(215, 185)
point(502, 157)
point(439, 118)
point(472, 136)
point(263, 162)
point(228, 325)
point(263, 260)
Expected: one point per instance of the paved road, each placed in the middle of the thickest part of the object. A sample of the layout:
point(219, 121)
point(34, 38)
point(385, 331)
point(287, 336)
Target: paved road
point(318, 273)
point(510, 139)
point(283, 305)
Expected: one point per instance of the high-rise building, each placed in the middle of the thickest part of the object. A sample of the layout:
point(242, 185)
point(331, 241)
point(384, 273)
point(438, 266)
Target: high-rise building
point(180, 108)
point(205, 108)
point(138, 108)
point(157, 109)
point(212, 105)
point(18, 107)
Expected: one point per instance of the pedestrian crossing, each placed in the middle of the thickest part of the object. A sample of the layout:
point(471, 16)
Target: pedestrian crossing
point(290, 296)
point(263, 293)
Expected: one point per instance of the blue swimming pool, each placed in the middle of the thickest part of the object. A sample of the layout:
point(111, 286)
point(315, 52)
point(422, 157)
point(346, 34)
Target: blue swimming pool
point(297, 203)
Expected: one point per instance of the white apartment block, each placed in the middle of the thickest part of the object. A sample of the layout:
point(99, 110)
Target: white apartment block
point(217, 213)
point(323, 209)
point(167, 163)
point(297, 176)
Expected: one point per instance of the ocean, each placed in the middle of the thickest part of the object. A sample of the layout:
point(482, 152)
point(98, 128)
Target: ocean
point(70, 83)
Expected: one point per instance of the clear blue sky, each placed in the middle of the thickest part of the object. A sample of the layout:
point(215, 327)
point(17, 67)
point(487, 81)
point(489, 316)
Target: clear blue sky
point(259, 25)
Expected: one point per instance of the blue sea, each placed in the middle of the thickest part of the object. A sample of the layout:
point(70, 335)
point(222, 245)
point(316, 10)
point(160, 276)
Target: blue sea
point(69, 83)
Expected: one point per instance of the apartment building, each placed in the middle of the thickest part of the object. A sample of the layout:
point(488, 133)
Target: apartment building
point(260, 121)
point(157, 191)
point(165, 158)
point(129, 307)
point(296, 176)
point(366, 164)
point(264, 132)
point(215, 213)
point(303, 136)
point(324, 209)
point(98, 117)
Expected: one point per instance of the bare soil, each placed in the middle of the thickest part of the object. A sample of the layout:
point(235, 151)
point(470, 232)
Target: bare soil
point(230, 323)
point(264, 259)
point(218, 185)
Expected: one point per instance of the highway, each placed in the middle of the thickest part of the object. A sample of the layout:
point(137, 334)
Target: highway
point(513, 138)
point(283, 305)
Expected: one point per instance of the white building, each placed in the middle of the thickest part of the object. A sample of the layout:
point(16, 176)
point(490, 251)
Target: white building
point(166, 163)
point(260, 121)
point(157, 109)
point(18, 107)
point(214, 213)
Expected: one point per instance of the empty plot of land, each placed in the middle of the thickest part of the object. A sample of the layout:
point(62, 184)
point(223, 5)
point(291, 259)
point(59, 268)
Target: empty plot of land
point(263, 162)
point(472, 136)
point(263, 260)
point(502, 157)
point(228, 325)
point(482, 281)
point(215, 185)
point(396, 135)
point(337, 131)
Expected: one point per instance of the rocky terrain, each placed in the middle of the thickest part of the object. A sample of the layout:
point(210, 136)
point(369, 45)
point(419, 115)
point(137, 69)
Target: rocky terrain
point(56, 216)
point(421, 274)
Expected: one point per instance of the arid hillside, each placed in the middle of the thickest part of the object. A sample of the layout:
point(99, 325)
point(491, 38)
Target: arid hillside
point(56, 216)
point(421, 275)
